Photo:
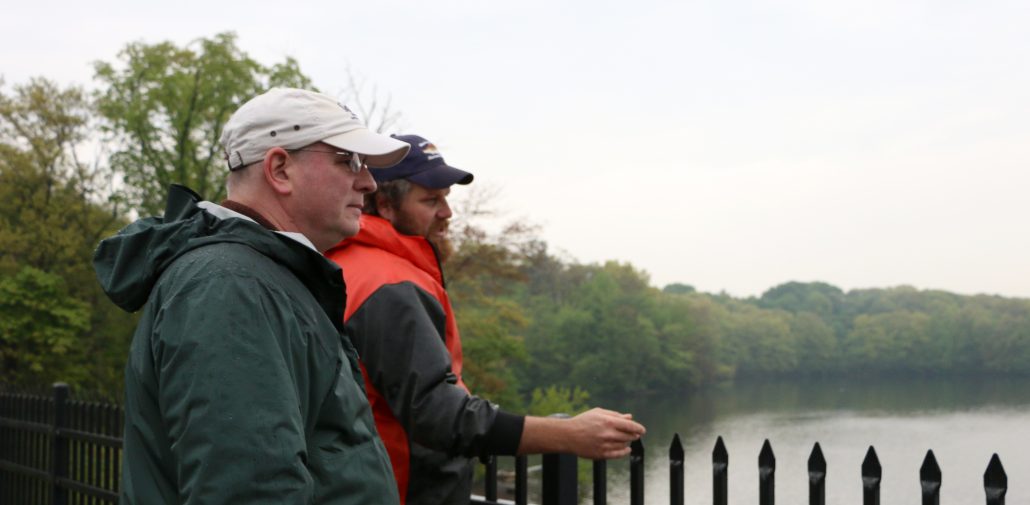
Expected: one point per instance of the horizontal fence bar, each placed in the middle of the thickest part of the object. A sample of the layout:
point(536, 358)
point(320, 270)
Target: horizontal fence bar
point(85, 436)
point(7, 422)
point(87, 489)
point(96, 438)
point(25, 470)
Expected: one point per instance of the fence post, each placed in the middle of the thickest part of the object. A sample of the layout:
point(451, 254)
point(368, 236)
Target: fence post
point(600, 482)
point(930, 480)
point(490, 479)
point(720, 468)
point(872, 472)
point(560, 479)
point(636, 472)
point(817, 477)
point(676, 471)
point(521, 480)
point(561, 476)
point(766, 475)
point(996, 483)
point(59, 446)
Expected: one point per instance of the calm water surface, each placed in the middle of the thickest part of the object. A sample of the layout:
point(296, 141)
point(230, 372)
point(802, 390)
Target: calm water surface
point(964, 421)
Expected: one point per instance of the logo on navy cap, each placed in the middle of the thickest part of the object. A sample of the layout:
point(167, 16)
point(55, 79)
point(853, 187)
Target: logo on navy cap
point(429, 150)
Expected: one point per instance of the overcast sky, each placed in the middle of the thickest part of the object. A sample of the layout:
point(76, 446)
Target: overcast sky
point(728, 145)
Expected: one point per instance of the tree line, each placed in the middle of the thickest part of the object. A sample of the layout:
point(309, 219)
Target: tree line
point(541, 332)
point(604, 328)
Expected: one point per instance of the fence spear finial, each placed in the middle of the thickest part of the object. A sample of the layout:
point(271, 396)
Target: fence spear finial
point(996, 483)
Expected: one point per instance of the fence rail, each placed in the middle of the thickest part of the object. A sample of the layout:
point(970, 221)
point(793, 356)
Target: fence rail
point(54, 450)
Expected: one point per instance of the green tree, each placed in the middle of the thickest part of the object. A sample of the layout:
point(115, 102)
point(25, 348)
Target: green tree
point(889, 342)
point(164, 108)
point(483, 279)
point(765, 338)
point(602, 338)
point(817, 346)
point(559, 400)
point(679, 288)
point(687, 335)
point(54, 208)
point(41, 329)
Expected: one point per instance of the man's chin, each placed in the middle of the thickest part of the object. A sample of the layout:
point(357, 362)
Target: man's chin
point(444, 246)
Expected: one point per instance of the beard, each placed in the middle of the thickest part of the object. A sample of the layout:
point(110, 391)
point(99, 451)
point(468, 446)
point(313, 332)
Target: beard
point(441, 241)
point(444, 246)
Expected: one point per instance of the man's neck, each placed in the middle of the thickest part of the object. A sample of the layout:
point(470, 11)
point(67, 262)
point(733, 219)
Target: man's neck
point(249, 212)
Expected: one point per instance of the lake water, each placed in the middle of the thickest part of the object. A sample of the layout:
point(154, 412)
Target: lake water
point(964, 421)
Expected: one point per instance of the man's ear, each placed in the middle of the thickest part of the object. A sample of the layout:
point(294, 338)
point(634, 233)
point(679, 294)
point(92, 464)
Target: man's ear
point(384, 207)
point(278, 168)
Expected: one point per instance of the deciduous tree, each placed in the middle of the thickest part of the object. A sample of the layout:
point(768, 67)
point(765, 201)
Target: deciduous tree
point(164, 108)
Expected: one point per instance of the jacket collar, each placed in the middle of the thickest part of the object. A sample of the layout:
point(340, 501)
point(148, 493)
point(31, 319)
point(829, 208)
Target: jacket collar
point(379, 233)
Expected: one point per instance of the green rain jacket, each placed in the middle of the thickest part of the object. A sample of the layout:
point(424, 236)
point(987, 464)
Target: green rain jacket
point(240, 385)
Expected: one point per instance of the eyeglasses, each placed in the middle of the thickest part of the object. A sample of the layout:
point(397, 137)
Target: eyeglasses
point(355, 160)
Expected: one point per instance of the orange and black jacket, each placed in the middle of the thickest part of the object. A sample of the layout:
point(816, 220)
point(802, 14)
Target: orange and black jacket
point(399, 319)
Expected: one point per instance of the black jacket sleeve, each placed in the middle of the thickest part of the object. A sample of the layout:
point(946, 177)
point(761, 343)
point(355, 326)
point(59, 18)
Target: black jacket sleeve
point(399, 334)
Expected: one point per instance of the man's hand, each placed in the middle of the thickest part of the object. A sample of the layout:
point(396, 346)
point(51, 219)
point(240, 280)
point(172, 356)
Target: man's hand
point(602, 434)
point(594, 434)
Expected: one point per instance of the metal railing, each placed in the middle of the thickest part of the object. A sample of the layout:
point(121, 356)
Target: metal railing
point(58, 451)
point(563, 489)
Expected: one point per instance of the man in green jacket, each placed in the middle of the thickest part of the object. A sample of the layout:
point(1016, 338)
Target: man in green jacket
point(240, 384)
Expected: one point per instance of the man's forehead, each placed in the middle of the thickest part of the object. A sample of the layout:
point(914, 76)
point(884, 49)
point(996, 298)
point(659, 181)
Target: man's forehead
point(429, 191)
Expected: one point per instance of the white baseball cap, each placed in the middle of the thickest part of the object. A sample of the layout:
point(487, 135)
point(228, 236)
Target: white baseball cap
point(292, 118)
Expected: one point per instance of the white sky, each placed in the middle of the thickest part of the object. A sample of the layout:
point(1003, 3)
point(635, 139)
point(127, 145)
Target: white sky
point(728, 145)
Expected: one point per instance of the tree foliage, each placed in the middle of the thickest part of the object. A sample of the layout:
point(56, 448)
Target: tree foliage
point(603, 328)
point(41, 329)
point(54, 208)
point(164, 107)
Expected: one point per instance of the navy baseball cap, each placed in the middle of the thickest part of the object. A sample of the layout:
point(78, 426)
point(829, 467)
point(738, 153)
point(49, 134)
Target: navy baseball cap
point(423, 165)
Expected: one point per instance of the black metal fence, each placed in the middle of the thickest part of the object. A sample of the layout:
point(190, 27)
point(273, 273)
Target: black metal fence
point(54, 450)
point(560, 478)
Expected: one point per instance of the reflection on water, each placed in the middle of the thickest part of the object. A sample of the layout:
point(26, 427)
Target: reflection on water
point(964, 421)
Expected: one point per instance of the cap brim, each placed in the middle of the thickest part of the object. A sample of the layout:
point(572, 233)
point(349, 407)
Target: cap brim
point(381, 151)
point(441, 176)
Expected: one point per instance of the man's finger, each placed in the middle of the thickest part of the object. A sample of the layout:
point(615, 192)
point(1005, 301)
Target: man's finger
point(627, 426)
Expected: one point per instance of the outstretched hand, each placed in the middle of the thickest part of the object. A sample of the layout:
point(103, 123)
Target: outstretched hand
point(602, 434)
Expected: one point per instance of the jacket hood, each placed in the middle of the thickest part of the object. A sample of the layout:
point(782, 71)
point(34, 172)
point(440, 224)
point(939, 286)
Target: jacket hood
point(379, 233)
point(129, 264)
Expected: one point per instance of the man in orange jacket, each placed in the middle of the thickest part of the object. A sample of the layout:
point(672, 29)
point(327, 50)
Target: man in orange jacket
point(400, 320)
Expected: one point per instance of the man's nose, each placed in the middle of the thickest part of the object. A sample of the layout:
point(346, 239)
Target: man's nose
point(364, 182)
point(445, 210)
